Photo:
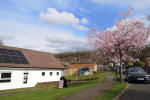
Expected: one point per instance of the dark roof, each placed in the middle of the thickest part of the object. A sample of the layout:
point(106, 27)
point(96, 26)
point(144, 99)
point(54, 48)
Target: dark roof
point(36, 59)
point(83, 67)
point(84, 61)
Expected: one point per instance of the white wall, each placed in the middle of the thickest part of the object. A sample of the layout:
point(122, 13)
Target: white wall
point(34, 77)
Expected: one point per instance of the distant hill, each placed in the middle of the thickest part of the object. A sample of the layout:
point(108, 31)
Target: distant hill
point(73, 55)
point(70, 57)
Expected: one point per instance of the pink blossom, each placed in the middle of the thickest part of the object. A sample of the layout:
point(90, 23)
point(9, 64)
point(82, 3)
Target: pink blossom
point(128, 36)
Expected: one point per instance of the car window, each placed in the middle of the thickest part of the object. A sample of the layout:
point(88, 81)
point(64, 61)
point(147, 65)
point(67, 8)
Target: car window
point(135, 70)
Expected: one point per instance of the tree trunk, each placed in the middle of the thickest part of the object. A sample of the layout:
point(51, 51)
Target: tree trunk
point(121, 75)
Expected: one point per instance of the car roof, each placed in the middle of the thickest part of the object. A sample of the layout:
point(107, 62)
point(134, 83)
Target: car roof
point(132, 66)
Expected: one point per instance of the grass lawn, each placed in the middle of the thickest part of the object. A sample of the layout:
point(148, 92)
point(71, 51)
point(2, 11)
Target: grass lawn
point(82, 77)
point(39, 86)
point(114, 91)
point(52, 93)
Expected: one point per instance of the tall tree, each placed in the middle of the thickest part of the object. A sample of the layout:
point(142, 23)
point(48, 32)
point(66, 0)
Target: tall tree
point(128, 35)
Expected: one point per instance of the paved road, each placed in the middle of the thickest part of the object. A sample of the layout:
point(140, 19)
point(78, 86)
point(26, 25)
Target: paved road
point(137, 91)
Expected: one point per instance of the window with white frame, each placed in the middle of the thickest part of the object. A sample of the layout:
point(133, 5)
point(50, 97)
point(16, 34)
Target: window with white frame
point(57, 73)
point(5, 77)
point(43, 73)
point(51, 73)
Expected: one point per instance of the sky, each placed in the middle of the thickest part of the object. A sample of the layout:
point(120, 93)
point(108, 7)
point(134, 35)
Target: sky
point(57, 26)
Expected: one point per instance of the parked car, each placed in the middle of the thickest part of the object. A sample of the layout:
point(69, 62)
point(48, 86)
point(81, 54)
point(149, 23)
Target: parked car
point(114, 68)
point(135, 73)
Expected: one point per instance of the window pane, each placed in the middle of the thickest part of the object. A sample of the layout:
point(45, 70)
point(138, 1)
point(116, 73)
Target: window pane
point(51, 73)
point(43, 73)
point(6, 75)
point(25, 73)
point(57, 73)
point(3, 81)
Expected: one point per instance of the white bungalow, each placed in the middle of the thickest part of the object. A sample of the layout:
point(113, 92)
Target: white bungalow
point(20, 68)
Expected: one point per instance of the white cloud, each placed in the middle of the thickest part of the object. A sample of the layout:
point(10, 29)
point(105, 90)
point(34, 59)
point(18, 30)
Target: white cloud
point(84, 21)
point(54, 17)
point(75, 44)
point(80, 27)
point(57, 38)
point(102, 1)
point(7, 36)
point(41, 38)
point(82, 9)
point(124, 3)
point(53, 45)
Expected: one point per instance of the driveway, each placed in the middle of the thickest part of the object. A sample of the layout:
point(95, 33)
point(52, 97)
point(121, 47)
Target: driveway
point(137, 91)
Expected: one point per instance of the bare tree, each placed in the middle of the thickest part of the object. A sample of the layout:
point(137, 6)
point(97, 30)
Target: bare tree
point(1, 41)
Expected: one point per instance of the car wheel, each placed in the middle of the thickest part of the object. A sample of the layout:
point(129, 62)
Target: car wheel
point(145, 82)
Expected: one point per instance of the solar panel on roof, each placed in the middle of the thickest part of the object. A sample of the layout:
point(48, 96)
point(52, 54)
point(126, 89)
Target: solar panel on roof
point(5, 56)
point(24, 61)
point(22, 58)
point(11, 52)
point(12, 56)
point(3, 51)
point(16, 61)
point(7, 61)
point(19, 53)
point(15, 57)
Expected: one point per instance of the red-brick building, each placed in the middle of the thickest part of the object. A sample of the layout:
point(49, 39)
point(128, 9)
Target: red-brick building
point(145, 58)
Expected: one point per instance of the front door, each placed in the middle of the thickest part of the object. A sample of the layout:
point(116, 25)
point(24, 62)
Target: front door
point(25, 78)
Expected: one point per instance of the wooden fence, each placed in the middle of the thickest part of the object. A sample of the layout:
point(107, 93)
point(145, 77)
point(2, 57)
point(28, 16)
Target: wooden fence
point(66, 72)
point(101, 67)
point(147, 68)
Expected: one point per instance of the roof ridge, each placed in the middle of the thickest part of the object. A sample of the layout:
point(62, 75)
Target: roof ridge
point(22, 48)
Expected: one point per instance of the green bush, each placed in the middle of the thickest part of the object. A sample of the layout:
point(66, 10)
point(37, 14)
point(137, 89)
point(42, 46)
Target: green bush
point(130, 64)
point(136, 63)
point(142, 64)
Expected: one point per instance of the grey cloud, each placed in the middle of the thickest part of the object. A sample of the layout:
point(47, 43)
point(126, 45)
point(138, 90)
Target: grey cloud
point(61, 38)
point(73, 45)
point(7, 37)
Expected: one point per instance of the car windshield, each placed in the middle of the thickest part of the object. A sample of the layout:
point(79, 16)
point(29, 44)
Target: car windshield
point(136, 70)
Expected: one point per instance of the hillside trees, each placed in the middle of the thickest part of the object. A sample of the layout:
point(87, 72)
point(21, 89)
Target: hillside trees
point(73, 55)
point(128, 35)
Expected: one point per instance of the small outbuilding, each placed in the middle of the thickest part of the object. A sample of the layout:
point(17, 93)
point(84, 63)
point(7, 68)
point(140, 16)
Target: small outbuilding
point(20, 68)
point(83, 67)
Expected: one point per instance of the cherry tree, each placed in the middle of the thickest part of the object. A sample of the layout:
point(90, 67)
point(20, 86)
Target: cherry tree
point(128, 35)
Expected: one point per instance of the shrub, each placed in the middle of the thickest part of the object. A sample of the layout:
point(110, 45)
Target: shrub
point(136, 63)
point(142, 64)
point(130, 64)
